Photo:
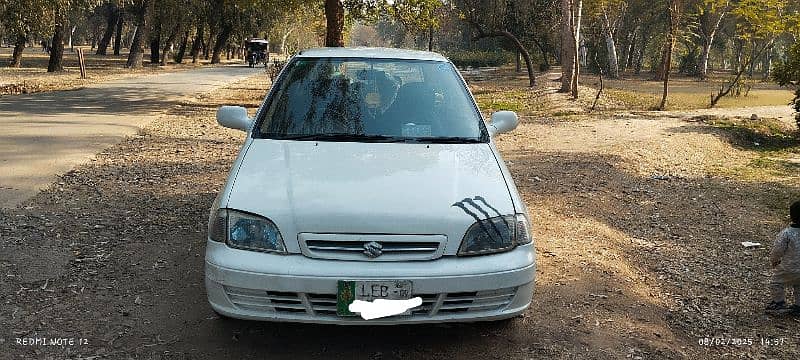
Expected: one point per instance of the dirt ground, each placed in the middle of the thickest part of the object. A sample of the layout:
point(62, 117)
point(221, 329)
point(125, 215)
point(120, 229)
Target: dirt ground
point(638, 220)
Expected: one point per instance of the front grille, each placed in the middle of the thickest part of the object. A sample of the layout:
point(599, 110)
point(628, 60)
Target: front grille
point(354, 246)
point(325, 304)
point(259, 300)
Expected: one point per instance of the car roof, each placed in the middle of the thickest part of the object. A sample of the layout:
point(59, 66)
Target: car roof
point(371, 52)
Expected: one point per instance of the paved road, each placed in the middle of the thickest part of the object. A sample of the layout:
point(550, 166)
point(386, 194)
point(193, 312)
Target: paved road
point(45, 134)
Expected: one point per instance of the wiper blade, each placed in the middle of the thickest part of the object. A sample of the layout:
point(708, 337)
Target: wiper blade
point(449, 140)
point(342, 137)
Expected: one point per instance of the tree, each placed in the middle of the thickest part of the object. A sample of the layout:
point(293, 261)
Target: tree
point(759, 23)
point(490, 19)
point(112, 13)
point(787, 73)
point(334, 15)
point(571, 11)
point(225, 27)
point(710, 15)
point(118, 36)
point(418, 16)
point(23, 21)
point(609, 13)
point(56, 61)
point(141, 11)
point(674, 12)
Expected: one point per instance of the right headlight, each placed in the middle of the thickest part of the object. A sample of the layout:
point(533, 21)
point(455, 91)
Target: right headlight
point(245, 231)
point(497, 234)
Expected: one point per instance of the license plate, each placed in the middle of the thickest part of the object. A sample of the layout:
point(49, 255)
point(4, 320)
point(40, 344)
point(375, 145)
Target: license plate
point(350, 290)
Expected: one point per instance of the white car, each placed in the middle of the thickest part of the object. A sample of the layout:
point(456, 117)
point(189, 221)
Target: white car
point(368, 174)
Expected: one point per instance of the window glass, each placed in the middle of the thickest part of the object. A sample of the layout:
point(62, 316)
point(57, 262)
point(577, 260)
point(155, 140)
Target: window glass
point(401, 99)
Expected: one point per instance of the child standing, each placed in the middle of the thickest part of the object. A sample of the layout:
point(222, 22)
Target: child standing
point(785, 261)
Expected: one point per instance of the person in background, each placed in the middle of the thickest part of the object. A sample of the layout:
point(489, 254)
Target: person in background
point(785, 261)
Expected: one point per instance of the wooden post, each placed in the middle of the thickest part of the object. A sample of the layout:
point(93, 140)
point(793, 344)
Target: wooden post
point(81, 63)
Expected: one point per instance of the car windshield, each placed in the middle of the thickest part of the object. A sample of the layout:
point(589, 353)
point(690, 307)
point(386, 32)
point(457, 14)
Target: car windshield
point(371, 100)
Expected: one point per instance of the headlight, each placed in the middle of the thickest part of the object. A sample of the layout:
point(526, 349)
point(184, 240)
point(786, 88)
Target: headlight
point(245, 231)
point(495, 234)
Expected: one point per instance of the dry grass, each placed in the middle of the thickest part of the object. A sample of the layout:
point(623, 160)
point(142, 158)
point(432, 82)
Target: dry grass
point(641, 93)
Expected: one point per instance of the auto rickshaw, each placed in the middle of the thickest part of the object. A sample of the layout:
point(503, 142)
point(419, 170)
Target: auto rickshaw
point(257, 52)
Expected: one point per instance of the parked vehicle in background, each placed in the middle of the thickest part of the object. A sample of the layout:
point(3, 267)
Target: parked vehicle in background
point(257, 52)
point(368, 174)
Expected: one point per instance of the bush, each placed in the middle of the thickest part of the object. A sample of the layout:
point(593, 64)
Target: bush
point(478, 58)
point(787, 73)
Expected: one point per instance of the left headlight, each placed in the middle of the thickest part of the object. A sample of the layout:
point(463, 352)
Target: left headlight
point(245, 231)
point(497, 234)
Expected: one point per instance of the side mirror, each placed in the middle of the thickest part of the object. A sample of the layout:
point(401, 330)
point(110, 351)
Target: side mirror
point(234, 117)
point(502, 122)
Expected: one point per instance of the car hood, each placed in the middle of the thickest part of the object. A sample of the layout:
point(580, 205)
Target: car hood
point(370, 188)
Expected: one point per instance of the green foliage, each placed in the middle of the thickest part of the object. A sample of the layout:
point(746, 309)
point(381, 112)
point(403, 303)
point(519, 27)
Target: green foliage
point(417, 15)
point(765, 19)
point(477, 58)
point(787, 73)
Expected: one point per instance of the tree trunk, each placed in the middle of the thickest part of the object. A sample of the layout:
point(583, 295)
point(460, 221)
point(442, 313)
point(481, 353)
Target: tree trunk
point(517, 45)
point(576, 38)
point(662, 68)
point(56, 62)
point(672, 25)
point(611, 48)
point(709, 23)
point(702, 66)
point(19, 46)
point(768, 64)
point(111, 24)
point(219, 44)
point(137, 45)
point(569, 53)
point(208, 45)
point(71, 45)
point(283, 41)
point(751, 66)
point(613, 65)
point(334, 16)
point(640, 56)
point(155, 44)
point(430, 38)
point(182, 48)
point(118, 38)
point(727, 89)
point(525, 55)
point(627, 57)
point(197, 44)
point(168, 45)
point(739, 54)
point(667, 68)
point(518, 62)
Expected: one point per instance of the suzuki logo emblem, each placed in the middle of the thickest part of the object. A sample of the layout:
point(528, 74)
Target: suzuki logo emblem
point(373, 249)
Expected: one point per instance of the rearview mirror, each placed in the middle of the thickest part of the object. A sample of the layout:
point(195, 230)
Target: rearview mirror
point(234, 117)
point(503, 121)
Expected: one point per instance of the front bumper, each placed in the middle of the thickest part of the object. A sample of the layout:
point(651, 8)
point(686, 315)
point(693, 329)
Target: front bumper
point(258, 286)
